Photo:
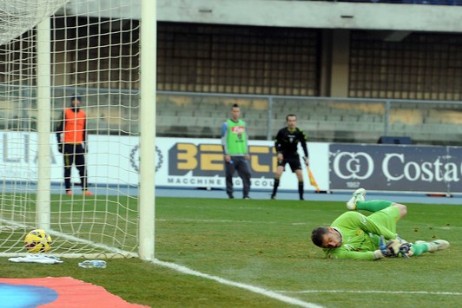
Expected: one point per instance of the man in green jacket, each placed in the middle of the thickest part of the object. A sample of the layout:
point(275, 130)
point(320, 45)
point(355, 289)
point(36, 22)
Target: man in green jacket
point(356, 236)
point(236, 152)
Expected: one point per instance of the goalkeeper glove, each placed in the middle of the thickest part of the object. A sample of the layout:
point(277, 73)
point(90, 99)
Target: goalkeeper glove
point(395, 248)
point(383, 248)
point(60, 147)
point(405, 250)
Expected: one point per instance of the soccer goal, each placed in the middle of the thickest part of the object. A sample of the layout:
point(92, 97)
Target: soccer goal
point(50, 52)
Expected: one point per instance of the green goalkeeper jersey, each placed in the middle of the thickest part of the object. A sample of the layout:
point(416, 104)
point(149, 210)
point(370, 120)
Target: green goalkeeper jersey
point(360, 237)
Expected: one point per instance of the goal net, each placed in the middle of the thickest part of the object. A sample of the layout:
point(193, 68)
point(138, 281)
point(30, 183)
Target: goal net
point(94, 54)
point(19, 16)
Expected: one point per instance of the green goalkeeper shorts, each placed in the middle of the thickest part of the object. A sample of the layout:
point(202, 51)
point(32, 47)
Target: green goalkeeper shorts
point(388, 217)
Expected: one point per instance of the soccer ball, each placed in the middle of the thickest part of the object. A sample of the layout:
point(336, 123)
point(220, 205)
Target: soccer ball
point(37, 241)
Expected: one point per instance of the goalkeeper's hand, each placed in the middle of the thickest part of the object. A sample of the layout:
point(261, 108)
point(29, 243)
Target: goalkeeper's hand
point(306, 160)
point(60, 147)
point(395, 248)
point(85, 147)
point(392, 247)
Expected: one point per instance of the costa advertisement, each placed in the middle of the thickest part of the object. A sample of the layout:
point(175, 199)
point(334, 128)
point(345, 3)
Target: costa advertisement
point(395, 168)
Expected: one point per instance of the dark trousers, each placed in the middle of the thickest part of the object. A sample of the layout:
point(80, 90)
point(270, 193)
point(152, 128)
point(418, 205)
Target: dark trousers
point(241, 165)
point(74, 154)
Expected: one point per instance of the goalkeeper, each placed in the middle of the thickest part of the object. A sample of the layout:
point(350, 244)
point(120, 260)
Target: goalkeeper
point(356, 236)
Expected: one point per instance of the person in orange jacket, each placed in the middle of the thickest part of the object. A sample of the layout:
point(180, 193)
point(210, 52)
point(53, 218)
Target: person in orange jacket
point(71, 134)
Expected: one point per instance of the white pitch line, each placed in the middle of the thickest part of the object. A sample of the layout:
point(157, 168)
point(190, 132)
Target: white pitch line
point(376, 292)
point(255, 289)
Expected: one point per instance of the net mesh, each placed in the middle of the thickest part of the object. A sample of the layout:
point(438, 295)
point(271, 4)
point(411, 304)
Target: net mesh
point(19, 16)
point(94, 54)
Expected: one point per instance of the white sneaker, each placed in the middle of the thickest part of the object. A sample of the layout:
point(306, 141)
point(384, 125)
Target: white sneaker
point(435, 245)
point(358, 195)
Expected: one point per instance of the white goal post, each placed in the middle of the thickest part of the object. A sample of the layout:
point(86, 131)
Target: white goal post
point(94, 50)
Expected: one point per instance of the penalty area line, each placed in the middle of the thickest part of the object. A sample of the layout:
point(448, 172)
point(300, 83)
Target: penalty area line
point(254, 289)
point(376, 292)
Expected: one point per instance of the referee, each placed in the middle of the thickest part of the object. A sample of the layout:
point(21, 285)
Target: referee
point(286, 146)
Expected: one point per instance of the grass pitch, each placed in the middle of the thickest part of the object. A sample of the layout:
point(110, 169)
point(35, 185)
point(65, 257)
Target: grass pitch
point(265, 243)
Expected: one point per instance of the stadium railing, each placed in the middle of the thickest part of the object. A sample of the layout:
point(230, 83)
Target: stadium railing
point(200, 115)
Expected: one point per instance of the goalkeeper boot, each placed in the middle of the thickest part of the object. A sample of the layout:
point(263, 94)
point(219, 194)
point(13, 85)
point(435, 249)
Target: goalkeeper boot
point(358, 195)
point(435, 245)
